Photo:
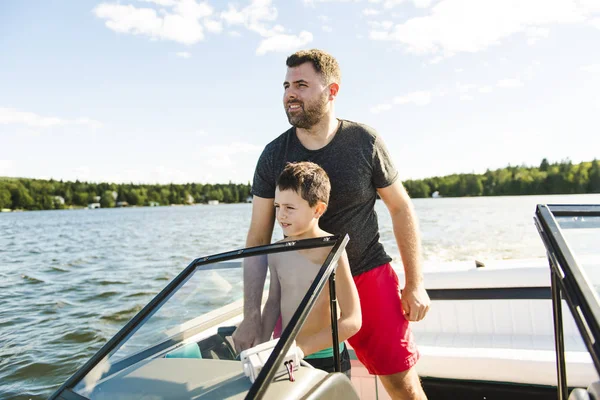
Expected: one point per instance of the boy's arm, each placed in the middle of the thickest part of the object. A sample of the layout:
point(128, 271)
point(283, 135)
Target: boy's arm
point(348, 302)
point(272, 308)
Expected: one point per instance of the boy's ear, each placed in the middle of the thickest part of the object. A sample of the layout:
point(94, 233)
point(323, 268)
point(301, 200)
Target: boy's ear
point(320, 209)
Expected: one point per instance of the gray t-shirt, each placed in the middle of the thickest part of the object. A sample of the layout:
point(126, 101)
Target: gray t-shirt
point(357, 163)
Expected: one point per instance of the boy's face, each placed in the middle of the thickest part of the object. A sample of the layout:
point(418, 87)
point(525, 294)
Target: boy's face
point(293, 213)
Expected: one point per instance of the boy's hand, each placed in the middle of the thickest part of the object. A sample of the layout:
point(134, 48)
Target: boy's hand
point(247, 334)
point(415, 302)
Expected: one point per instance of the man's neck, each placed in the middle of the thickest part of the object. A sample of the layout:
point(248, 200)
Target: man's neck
point(320, 134)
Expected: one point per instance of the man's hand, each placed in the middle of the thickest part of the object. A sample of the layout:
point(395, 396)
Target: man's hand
point(415, 302)
point(247, 334)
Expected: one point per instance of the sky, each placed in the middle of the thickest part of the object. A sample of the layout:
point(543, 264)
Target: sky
point(176, 91)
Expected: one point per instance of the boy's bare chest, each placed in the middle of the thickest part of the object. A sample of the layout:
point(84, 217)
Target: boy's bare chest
point(297, 277)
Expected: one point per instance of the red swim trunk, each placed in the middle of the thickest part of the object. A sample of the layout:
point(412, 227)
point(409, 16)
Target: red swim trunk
point(384, 344)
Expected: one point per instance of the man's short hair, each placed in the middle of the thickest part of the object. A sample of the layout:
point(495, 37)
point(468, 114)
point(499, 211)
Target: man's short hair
point(307, 179)
point(324, 63)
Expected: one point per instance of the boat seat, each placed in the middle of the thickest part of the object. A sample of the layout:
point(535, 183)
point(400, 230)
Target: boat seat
point(499, 341)
point(190, 350)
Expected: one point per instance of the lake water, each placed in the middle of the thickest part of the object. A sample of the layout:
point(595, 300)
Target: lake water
point(69, 280)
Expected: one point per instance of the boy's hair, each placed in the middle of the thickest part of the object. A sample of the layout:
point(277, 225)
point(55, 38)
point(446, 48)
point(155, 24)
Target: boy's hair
point(324, 63)
point(308, 180)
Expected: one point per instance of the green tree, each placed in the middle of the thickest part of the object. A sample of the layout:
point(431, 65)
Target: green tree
point(5, 197)
point(215, 194)
point(417, 189)
point(107, 200)
point(594, 177)
point(20, 197)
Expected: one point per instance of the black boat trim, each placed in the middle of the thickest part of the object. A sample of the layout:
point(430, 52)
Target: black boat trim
point(506, 293)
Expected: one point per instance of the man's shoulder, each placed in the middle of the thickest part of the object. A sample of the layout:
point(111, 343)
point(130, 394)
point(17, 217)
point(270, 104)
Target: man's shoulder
point(359, 129)
point(356, 133)
point(280, 141)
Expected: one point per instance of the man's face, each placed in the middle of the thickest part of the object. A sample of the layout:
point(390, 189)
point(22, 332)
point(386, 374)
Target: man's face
point(306, 97)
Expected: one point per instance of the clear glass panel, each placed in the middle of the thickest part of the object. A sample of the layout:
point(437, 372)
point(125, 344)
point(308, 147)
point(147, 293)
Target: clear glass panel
point(582, 235)
point(192, 321)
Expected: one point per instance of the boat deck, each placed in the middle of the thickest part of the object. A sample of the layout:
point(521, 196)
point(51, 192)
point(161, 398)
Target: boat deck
point(367, 386)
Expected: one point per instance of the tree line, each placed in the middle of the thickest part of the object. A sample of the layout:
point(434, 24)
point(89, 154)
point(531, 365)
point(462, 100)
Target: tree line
point(548, 178)
point(38, 194)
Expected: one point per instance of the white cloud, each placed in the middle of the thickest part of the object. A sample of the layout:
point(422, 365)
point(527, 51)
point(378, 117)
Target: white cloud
point(283, 42)
point(420, 98)
point(592, 6)
point(185, 21)
point(465, 88)
point(145, 21)
point(455, 26)
point(235, 34)
point(595, 22)
point(485, 89)
point(213, 26)
point(509, 83)
point(416, 3)
point(327, 28)
point(380, 108)
point(184, 54)
point(11, 116)
point(374, 1)
point(466, 97)
point(323, 18)
point(312, 2)
point(593, 68)
point(436, 60)
point(367, 12)
point(165, 3)
point(535, 34)
point(253, 16)
point(381, 25)
point(422, 3)
point(191, 9)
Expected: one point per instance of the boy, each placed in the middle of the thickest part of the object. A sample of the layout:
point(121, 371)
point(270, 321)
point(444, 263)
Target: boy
point(301, 197)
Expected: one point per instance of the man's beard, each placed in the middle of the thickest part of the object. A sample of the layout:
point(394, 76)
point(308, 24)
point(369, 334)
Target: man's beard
point(310, 114)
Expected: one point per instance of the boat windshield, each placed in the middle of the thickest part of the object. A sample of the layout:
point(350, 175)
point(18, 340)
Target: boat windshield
point(582, 236)
point(194, 316)
point(571, 234)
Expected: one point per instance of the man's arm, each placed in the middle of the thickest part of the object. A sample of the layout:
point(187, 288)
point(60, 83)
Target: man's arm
point(415, 300)
point(272, 309)
point(255, 271)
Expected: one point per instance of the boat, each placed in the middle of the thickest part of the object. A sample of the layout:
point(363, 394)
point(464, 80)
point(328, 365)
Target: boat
point(493, 331)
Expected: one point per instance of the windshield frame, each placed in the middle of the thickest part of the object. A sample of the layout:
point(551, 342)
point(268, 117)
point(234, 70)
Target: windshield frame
point(337, 244)
point(569, 282)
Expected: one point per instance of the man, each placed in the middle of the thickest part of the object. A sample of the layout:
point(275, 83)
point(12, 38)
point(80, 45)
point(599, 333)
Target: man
point(359, 167)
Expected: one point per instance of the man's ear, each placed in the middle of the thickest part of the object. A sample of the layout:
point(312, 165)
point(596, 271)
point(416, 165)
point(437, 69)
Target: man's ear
point(320, 209)
point(334, 88)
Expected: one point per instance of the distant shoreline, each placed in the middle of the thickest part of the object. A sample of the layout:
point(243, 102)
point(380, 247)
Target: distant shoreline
point(548, 178)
